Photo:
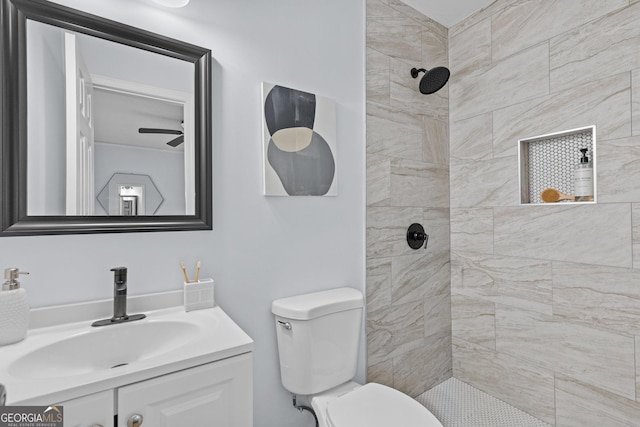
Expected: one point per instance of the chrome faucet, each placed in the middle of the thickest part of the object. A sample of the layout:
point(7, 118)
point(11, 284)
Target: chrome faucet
point(119, 300)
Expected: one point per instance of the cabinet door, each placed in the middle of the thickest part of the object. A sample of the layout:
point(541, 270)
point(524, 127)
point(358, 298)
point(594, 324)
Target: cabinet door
point(89, 411)
point(217, 394)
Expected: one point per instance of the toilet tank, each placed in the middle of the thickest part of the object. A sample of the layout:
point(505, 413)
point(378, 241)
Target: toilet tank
point(318, 337)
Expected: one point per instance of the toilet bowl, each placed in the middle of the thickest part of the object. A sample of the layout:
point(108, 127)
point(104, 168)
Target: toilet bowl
point(318, 336)
point(370, 405)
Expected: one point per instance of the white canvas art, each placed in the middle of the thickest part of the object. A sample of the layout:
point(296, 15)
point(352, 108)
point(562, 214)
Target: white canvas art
point(299, 142)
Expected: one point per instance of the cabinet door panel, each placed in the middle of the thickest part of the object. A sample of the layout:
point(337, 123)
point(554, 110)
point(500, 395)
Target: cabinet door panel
point(217, 394)
point(89, 411)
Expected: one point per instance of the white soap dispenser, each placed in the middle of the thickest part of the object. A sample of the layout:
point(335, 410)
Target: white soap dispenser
point(14, 308)
point(583, 178)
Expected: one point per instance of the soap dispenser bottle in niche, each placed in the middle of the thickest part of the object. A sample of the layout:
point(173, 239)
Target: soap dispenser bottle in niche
point(583, 178)
point(14, 308)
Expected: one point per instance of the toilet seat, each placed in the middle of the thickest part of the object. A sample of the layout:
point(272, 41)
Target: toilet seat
point(376, 405)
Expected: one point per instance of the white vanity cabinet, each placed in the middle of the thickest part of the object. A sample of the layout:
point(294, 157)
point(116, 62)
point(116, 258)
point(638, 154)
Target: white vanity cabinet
point(173, 368)
point(215, 394)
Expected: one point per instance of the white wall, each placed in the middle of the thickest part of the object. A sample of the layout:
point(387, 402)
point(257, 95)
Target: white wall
point(261, 248)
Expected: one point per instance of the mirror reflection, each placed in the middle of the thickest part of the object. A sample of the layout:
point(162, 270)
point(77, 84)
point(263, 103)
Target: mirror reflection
point(96, 110)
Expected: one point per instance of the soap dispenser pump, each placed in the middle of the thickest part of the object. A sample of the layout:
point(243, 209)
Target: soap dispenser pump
point(14, 308)
point(583, 178)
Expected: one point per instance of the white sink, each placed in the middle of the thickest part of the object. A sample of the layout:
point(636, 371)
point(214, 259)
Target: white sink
point(105, 347)
point(69, 360)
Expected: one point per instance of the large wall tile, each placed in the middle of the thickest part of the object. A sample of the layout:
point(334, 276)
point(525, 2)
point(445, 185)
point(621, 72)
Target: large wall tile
point(427, 23)
point(470, 49)
point(522, 384)
point(378, 83)
point(381, 373)
point(618, 167)
point(601, 358)
point(436, 225)
point(435, 142)
point(437, 315)
point(635, 234)
point(392, 33)
point(378, 180)
point(517, 282)
point(596, 50)
point(386, 230)
point(517, 78)
point(384, 124)
point(419, 184)
point(603, 296)
point(435, 44)
point(527, 23)
point(484, 183)
point(637, 370)
point(472, 139)
point(591, 234)
point(472, 230)
point(635, 101)
point(473, 320)
point(422, 368)
point(393, 331)
point(583, 405)
point(479, 16)
point(378, 283)
point(604, 103)
point(419, 276)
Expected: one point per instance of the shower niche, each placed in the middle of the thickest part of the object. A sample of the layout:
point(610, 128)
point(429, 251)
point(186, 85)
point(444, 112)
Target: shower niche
point(549, 161)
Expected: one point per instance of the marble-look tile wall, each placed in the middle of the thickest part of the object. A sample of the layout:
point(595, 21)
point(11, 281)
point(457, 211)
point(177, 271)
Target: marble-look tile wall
point(546, 299)
point(408, 291)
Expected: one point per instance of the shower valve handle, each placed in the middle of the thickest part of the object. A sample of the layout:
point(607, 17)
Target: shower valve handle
point(416, 237)
point(421, 237)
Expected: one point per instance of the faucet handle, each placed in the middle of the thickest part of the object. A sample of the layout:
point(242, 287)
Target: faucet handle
point(119, 275)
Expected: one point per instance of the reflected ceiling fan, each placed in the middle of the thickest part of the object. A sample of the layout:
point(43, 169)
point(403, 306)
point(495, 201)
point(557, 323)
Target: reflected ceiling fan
point(174, 142)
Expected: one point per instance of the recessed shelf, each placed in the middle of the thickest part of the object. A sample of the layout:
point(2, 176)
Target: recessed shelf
point(549, 161)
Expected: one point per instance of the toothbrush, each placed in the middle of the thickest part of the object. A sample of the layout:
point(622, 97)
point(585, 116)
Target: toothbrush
point(197, 271)
point(184, 271)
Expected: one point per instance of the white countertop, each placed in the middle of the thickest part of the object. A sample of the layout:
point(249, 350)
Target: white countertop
point(212, 336)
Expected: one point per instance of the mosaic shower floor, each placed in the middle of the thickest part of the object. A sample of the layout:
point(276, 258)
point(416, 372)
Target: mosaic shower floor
point(457, 404)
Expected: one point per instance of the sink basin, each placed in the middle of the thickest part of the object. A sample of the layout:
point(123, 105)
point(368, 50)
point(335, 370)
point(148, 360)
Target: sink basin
point(104, 348)
point(63, 357)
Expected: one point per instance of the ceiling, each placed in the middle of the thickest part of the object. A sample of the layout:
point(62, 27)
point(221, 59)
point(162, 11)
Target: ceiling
point(448, 12)
point(118, 116)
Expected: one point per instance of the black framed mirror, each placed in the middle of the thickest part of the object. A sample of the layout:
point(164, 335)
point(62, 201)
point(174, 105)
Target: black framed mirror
point(19, 210)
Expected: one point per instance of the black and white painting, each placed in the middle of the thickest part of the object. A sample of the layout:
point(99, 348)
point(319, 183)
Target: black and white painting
point(299, 142)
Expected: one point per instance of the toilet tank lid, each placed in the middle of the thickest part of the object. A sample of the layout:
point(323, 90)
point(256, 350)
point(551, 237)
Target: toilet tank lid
point(316, 304)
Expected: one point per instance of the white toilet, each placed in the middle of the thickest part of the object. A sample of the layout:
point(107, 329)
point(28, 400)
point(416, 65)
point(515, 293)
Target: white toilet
point(318, 336)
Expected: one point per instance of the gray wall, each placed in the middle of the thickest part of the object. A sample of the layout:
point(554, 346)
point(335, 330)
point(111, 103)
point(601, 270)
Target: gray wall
point(546, 299)
point(261, 248)
point(408, 291)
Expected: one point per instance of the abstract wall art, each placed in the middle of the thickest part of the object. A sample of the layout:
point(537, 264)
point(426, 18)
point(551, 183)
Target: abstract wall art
point(299, 142)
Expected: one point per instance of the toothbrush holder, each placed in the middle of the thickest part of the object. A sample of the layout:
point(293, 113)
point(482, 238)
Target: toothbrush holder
point(198, 295)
